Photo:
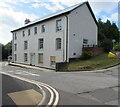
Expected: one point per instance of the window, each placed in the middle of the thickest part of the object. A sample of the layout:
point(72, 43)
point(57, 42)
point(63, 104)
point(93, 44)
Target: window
point(23, 33)
point(52, 60)
point(15, 57)
point(25, 45)
point(85, 41)
point(43, 28)
point(28, 32)
point(58, 25)
point(25, 57)
point(15, 36)
point(40, 58)
point(35, 30)
point(58, 43)
point(15, 48)
point(40, 43)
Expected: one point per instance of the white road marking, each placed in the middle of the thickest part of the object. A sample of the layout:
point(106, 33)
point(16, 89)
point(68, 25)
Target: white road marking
point(30, 73)
point(50, 89)
point(23, 73)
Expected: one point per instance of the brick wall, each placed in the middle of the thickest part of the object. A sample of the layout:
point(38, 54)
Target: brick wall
point(94, 50)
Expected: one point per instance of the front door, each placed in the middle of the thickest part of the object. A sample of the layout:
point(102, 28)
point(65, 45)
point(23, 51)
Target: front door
point(32, 59)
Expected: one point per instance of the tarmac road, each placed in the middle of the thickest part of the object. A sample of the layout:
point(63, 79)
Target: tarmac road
point(76, 88)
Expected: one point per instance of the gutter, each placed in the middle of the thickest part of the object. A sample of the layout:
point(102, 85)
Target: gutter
point(66, 38)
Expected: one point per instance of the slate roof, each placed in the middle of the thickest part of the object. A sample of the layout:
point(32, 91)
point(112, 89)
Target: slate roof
point(64, 11)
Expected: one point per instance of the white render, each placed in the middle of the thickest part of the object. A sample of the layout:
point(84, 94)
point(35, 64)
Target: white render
point(80, 25)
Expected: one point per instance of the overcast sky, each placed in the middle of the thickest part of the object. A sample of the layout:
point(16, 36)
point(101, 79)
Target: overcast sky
point(14, 12)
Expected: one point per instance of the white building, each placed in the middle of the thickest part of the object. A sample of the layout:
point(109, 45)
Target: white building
point(56, 37)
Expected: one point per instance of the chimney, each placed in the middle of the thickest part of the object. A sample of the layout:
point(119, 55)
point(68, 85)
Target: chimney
point(27, 21)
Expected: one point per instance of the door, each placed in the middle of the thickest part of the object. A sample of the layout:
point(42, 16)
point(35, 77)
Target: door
point(32, 59)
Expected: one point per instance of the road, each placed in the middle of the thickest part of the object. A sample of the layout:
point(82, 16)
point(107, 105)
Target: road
point(76, 88)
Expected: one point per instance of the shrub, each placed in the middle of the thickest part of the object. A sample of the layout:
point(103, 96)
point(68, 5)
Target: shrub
point(86, 55)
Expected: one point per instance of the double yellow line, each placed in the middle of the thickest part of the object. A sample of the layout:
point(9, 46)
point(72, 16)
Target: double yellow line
point(54, 95)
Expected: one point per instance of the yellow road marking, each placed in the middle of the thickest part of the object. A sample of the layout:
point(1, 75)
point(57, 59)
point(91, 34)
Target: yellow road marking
point(39, 83)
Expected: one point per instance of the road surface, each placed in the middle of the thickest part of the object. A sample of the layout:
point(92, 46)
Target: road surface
point(75, 88)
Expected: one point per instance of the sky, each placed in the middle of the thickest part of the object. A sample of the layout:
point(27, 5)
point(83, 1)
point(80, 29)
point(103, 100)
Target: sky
point(14, 12)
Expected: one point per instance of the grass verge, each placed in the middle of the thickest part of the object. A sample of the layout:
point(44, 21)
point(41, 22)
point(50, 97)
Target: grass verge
point(96, 62)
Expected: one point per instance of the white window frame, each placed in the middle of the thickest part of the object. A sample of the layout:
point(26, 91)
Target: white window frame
point(40, 58)
point(25, 45)
point(15, 36)
point(29, 32)
point(40, 43)
point(25, 57)
point(58, 25)
point(35, 30)
point(52, 63)
point(43, 28)
point(15, 47)
point(85, 41)
point(58, 43)
point(23, 33)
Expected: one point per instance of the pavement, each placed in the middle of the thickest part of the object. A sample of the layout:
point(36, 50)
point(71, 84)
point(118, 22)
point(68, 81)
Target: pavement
point(76, 88)
point(31, 67)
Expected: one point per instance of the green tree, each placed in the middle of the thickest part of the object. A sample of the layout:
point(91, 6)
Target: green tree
point(106, 32)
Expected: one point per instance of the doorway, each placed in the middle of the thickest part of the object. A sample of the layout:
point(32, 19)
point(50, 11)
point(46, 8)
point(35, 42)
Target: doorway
point(32, 59)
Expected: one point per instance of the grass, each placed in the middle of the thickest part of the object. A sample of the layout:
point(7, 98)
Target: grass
point(96, 62)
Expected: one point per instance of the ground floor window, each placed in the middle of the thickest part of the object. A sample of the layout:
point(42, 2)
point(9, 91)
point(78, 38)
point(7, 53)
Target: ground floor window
point(53, 60)
point(25, 57)
point(40, 58)
point(15, 57)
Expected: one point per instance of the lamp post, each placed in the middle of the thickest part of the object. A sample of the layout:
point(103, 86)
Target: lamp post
point(113, 41)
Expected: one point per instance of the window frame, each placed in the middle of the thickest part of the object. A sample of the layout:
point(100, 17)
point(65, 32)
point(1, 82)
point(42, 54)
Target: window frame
point(58, 27)
point(40, 59)
point(43, 28)
point(85, 41)
point(58, 43)
point(15, 47)
point(29, 32)
point(35, 30)
point(40, 44)
point(52, 60)
point(25, 45)
point(23, 33)
point(15, 36)
point(25, 57)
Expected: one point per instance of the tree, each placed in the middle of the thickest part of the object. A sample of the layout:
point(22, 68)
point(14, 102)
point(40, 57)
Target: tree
point(106, 32)
point(6, 50)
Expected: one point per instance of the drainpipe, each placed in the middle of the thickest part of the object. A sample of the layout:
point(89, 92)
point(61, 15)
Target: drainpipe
point(66, 38)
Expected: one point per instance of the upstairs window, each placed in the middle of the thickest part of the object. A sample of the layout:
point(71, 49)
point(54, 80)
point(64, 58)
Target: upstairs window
point(25, 45)
point(15, 36)
point(25, 57)
point(85, 41)
point(23, 33)
point(35, 30)
point(43, 28)
point(58, 25)
point(40, 43)
point(58, 43)
point(28, 32)
point(40, 58)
